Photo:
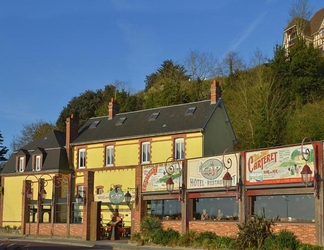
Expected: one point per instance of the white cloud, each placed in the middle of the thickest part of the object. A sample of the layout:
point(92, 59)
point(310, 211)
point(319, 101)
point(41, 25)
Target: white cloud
point(245, 34)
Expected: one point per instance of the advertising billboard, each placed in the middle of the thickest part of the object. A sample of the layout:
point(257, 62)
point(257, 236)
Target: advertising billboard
point(278, 165)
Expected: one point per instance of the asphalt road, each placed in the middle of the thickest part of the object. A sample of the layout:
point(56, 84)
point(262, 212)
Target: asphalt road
point(31, 245)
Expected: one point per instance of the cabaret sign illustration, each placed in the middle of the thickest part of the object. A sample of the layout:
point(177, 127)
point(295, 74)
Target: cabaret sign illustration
point(154, 177)
point(281, 165)
point(209, 172)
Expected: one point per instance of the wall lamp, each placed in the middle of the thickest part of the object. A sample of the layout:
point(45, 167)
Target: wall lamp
point(42, 183)
point(79, 199)
point(174, 170)
point(128, 196)
point(29, 194)
point(306, 173)
point(227, 178)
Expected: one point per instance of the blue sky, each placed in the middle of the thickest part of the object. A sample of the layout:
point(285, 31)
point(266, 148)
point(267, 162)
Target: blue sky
point(52, 51)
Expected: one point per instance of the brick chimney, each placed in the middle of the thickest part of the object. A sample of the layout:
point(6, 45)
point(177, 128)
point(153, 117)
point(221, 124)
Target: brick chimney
point(71, 127)
point(215, 92)
point(113, 108)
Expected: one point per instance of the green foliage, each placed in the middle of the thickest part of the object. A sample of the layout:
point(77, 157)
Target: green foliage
point(223, 243)
point(285, 240)
point(204, 239)
point(167, 237)
point(3, 150)
point(310, 247)
point(270, 104)
point(188, 238)
point(136, 237)
point(303, 122)
point(149, 226)
point(31, 132)
point(168, 72)
point(253, 232)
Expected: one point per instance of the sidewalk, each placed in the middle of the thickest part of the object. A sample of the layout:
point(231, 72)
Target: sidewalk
point(123, 244)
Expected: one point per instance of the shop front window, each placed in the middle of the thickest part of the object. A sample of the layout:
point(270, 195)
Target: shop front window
point(165, 209)
point(215, 208)
point(290, 208)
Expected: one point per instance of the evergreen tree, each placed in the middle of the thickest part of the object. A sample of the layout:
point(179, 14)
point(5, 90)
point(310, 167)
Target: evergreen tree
point(3, 151)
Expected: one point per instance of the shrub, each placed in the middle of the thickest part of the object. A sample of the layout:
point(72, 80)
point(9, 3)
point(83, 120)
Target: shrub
point(136, 237)
point(148, 227)
point(204, 239)
point(285, 240)
point(188, 238)
point(310, 247)
point(253, 232)
point(167, 237)
point(221, 242)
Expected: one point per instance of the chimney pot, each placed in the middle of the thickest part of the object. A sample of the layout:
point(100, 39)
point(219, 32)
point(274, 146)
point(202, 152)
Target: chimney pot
point(215, 92)
point(113, 108)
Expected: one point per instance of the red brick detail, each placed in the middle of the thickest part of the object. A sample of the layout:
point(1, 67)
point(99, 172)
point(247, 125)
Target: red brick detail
point(72, 125)
point(228, 229)
point(305, 232)
point(175, 225)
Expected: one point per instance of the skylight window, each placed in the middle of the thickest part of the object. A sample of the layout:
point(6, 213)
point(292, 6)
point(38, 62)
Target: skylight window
point(154, 116)
point(94, 124)
point(190, 111)
point(120, 121)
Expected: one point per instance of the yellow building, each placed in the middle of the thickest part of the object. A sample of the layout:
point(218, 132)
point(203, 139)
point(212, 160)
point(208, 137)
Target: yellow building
point(96, 172)
point(116, 148)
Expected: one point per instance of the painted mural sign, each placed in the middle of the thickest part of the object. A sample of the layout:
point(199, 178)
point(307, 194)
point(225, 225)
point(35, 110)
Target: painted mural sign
point(154, 177)
point(209, 172)
point(277, 166)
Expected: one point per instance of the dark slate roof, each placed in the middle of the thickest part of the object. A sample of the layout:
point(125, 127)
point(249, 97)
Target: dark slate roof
point(311, 26)
point(171, 120)
point(295, 21)
point(316, 21)
point(52, 146)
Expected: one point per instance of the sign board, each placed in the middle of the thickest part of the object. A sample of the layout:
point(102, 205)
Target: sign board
point(116, 196)
point(209, 172)
point(154, 177)
point(277, 166)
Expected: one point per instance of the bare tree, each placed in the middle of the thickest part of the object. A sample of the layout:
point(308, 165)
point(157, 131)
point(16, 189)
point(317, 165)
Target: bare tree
point(300, 12)
point(200, 65)
point(231, 64)
point(31, 132)
point(258, 58)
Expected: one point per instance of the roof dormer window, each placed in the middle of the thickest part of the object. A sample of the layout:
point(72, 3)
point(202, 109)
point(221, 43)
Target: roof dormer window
point(21, 163)
point(37, 162)
point(154, 116)
point(120, 121)
point(94, 124)
point(190, 111)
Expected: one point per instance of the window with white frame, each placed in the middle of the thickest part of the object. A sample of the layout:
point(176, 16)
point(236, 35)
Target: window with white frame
point(146, 152)
point(179, 149)
point(109, 155)
point(82, 158)
point(38, 163)
point(21, 164)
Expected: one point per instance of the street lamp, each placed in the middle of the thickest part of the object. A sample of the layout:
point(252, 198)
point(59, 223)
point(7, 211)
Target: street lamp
point(29, 194)
point(43, 193)
point(227, 178)
point(173, 168)
point(169, 185)
point(128, 196)
point(306, 173)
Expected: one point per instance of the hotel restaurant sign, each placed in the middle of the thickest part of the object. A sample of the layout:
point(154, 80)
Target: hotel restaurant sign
point(209, 172)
